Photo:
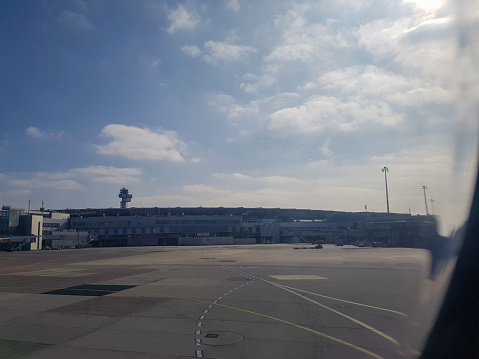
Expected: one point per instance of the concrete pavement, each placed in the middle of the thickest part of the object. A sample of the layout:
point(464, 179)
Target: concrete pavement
point(252, 301)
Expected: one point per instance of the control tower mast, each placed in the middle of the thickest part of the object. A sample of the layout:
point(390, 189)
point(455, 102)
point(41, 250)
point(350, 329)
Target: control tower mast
point(125, 197)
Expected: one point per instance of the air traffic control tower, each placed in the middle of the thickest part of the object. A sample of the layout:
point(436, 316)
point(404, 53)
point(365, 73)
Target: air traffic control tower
point(125, 197)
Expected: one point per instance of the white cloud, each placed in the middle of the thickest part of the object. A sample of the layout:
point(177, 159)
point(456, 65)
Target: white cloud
point(225, 51)
point(307, 86)
point(428, 5)
point(227, 104)
point(346, 7)
point(191, 50)
point(421, 44)
point(254, 83)
point(373, 83)
point(302, 41)
point(366, 81)
point(322, 113)
point(233, 5)
point(182, 19)
point(421, 96)
point(255, 110)
point(142, 144)
point(220, 51)
point(35, 132)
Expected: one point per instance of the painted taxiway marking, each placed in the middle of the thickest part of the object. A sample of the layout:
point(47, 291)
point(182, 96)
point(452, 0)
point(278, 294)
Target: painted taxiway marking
point(337, 340)
point(328, 297)
point(372, 329)
point(198, 341)
point(347, 301)
point(343, 342)
point(297, 277)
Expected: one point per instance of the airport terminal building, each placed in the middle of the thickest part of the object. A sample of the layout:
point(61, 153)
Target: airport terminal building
point(113, 227)
point(163, 230)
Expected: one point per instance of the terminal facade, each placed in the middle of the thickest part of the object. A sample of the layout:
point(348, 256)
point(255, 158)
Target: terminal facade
point(205, 226)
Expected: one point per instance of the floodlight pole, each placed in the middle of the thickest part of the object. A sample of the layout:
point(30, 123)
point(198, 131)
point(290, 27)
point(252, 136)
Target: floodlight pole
point(386, 170)
point(425, 199)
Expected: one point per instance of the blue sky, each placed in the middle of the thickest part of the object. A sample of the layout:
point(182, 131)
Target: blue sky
point(234, 103)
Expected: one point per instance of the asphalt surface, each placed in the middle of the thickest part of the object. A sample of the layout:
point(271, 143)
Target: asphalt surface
point(252, 301)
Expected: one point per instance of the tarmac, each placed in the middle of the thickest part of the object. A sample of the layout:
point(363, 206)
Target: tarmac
point(250, 301)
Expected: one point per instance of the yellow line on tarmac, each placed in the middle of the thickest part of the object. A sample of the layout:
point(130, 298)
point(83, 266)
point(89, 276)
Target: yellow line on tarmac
point(374, 330)
point(373, 355)
point(365, 351)
point(325, 296)
point(367, 326)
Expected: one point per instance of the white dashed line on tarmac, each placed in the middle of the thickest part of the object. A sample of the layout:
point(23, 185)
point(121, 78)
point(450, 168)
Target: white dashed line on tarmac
point(198, 341)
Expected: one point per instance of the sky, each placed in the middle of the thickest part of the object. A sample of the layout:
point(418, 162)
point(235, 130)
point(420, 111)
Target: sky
point(291, 104)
